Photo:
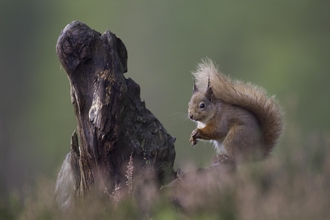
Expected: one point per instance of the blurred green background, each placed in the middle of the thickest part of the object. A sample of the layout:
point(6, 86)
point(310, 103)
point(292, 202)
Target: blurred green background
point(280, 45)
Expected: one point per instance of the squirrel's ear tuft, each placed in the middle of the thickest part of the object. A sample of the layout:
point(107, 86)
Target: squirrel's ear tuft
point(195, 89)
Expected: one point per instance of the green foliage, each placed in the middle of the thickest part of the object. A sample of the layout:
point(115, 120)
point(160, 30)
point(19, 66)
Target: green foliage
point(10, 209)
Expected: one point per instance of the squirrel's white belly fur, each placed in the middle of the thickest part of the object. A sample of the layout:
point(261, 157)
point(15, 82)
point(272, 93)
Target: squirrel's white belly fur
point(218, 145)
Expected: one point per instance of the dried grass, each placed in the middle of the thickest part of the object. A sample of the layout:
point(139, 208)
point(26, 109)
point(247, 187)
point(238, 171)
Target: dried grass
point(293, 184)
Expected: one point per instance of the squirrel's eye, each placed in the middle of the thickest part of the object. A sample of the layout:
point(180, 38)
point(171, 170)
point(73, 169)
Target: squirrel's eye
point(202, 105)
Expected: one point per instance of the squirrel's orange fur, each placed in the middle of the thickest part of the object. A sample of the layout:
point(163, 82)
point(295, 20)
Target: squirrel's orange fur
point(239, 117)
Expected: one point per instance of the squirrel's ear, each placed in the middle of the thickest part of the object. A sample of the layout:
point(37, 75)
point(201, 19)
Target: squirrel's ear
point(209, 94)
point(209, 91)
point(195, 89)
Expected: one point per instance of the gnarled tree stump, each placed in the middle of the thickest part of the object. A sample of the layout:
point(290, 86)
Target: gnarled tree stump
point(113, 122)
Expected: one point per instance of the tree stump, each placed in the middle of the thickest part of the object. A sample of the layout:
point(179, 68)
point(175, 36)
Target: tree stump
point(113, 122)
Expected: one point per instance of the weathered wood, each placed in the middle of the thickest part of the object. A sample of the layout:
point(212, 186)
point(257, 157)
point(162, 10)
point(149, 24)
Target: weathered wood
point(113, 122)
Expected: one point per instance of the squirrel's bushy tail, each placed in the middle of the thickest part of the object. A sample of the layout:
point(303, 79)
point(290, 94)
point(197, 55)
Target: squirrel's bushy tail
point(246, 95)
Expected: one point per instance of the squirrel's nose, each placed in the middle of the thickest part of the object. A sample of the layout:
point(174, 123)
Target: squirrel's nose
point(190, 116)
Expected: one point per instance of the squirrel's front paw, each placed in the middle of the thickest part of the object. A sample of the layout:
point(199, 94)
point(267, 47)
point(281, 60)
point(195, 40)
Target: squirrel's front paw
point(193, 137)
point(193, 141)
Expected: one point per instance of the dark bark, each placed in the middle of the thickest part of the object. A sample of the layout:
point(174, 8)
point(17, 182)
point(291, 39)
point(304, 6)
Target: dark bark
point(113, 122)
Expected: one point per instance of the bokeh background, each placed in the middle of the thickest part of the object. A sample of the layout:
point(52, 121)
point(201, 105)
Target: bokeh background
point(280, 45)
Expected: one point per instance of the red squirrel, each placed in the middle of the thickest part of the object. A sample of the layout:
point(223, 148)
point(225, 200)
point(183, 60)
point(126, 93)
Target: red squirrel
point(243, 123)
